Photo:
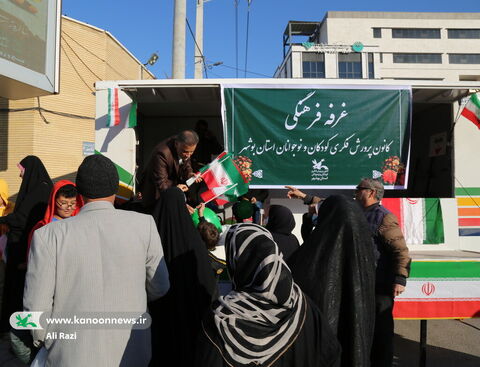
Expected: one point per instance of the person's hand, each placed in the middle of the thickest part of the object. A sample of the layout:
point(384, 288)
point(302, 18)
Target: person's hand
point(312, 208)
point(398, 289)
point(199, 179)
point(253, 200)
point(183, 187)
point(201, 208)
point(190, 209)
point(294, 193)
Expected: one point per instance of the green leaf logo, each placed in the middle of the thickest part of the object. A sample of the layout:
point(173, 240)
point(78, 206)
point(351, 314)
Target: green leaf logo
point(23, 322)
point(357, 47)
point(308, 45)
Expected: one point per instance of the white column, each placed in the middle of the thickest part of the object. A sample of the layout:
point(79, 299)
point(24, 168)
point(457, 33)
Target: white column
point(178, 48)
point(198, 60)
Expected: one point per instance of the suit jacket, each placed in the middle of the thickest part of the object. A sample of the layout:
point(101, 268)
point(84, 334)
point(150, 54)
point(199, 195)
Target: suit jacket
point(101, 263)
point(163, 171)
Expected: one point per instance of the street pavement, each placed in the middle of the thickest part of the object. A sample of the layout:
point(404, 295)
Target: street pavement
point(450, 343)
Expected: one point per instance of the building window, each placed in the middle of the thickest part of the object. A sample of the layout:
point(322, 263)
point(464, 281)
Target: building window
point(464, 58)
point(415, 33)
point(464, 33)
point(313, 65)
point(350, 66)
point(417, 58)
point(381, 57)
point(377, 32)
point(370, 66)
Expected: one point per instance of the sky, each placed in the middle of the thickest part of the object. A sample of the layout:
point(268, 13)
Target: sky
point(146, 26)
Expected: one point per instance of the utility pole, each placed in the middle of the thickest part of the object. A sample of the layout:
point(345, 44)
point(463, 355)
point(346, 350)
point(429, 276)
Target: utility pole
point(199, 61)
point(178, 49)
point(236, 38)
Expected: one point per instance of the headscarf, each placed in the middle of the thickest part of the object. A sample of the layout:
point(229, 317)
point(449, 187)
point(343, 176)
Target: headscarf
point(281, 224)
point(50, 212)
point(280, 219)
point(177, 316)
point(6, 209)
point(264, 313)
point(30, 207)
point(335, 267)
point(4, 195)
point(34, 174)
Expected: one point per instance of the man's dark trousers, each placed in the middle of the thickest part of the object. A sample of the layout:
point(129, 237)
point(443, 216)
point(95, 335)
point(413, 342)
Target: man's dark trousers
point(382, 349)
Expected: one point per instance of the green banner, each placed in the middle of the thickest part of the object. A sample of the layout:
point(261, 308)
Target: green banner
point(319, 137)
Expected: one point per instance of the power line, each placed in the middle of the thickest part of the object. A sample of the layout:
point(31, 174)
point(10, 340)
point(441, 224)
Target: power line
point(246, 42)
point(41, 109)
point(79, 58)
point(78, 73)
point(41, 112)
point(82, 46)
point(198, 48)
point(93, 54)
point(247, 71)
point(217, 75)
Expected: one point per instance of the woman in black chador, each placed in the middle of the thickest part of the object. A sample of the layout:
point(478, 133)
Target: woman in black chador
point(30, 207)
point(335, 267)
point(176, 317)
point(266, 320)
point(281, 224)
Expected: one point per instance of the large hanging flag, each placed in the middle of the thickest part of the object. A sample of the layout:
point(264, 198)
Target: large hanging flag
point(420, 219)
point(114, 116)
point(132, 115)
point(223, 179)
point(471, 110)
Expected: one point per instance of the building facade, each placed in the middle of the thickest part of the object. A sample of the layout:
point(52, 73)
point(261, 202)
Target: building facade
point(60, 129)
point(384, 45)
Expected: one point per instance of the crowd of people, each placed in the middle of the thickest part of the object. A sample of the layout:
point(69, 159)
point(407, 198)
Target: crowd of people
point(68, 251)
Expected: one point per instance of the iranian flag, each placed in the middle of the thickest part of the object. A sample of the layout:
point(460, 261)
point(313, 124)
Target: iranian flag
point(132, 115)
point(448, 289)
point(218, 194)
point(114, 116)
point(472, 109)
point(223, 179)
point(420, 219)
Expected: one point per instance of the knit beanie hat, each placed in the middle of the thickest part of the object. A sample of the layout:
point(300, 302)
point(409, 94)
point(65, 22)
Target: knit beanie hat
point(97, 177)
point(242, 209)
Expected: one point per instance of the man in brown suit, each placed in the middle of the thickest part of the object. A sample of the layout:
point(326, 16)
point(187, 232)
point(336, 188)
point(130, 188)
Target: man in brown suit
point(169, 166)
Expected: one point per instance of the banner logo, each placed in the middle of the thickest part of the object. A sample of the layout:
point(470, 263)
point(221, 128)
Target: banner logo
point(319, 170)
point(258, 173)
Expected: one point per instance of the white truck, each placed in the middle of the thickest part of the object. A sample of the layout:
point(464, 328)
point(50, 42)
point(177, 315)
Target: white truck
point(442, 164)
